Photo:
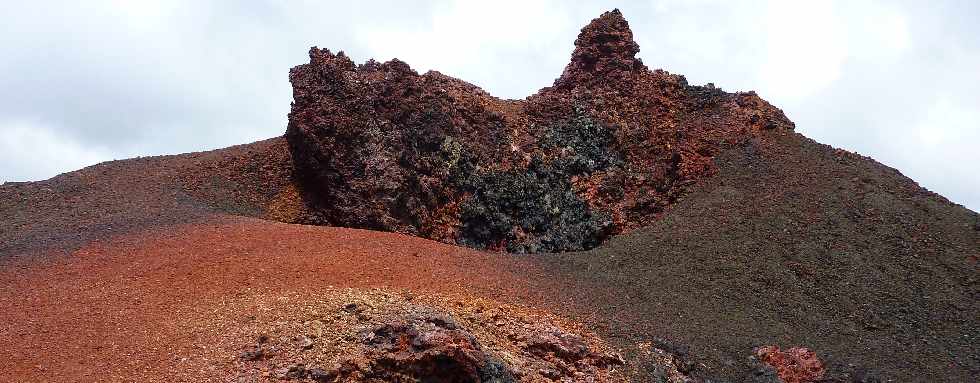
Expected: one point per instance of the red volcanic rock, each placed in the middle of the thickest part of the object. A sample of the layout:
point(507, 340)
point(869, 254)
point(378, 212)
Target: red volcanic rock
point(795, 365)
point(604, 150)
point(434, 348)
point(369, 141)
point(604, 49)
point(434, 351)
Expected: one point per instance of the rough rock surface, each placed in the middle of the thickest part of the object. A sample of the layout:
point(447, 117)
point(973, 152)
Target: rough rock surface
point(795, 365)
point(379, 336)
point(603, 151)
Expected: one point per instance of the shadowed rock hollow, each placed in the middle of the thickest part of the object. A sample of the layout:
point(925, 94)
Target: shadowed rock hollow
point(604, 150)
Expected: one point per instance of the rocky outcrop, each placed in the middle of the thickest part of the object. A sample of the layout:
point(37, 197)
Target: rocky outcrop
point(794, 365)
point(379, 336)
point(604, 150)
point(427, 349)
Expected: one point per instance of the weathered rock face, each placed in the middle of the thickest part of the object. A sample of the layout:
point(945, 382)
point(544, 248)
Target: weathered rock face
point(795, 365)
point(602, 151)
point(375, 336)
point(428, 349)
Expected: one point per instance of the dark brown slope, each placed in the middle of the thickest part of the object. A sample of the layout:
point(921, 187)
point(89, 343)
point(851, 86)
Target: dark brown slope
point(136, 194)
point(795, 243)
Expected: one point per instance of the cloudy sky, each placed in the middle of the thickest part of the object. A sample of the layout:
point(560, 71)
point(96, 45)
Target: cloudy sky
point(88, 81)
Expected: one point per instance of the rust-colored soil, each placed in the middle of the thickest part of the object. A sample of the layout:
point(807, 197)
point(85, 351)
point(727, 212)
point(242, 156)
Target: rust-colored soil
point(109, 311)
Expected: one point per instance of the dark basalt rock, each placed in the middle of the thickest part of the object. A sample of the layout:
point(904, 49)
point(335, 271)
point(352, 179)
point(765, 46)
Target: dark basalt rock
point(604, 150)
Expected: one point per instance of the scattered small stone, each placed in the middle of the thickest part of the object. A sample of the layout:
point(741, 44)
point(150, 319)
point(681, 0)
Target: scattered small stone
point(550, 373)
point(321, 375)
point(304, 342)
point(252, 355)
point(281, 373)
point(686, 366)
point(297, 370)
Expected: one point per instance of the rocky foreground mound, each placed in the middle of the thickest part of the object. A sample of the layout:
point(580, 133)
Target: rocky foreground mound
point(603, 151)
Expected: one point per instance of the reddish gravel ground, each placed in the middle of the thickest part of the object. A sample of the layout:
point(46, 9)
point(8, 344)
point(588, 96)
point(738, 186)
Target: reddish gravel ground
point(101, 312)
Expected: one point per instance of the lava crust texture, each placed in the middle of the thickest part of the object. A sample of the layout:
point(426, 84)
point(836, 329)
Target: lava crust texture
point(604, 150)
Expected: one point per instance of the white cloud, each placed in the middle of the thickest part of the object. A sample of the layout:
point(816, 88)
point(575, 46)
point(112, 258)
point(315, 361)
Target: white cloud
point(28, 148)
point(482, 42)
point(942, 149)
point(806, 45)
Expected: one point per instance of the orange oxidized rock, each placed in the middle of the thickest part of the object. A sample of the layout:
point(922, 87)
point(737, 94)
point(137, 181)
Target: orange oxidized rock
point(795, 365)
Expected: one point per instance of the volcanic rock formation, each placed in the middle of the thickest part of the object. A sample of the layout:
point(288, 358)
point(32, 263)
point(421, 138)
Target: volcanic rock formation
point(604, 150)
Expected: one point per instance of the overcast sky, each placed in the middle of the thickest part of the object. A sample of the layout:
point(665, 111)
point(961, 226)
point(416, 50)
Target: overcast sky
point(87, 81)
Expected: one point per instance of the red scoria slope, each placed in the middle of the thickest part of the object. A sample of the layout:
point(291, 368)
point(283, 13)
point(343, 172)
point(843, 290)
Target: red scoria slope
point(739, 234)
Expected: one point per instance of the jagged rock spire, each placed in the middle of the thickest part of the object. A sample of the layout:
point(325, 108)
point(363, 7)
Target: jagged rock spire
point(604, 48)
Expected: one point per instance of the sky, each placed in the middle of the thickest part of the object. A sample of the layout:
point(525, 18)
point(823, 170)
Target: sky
point(90, 81)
